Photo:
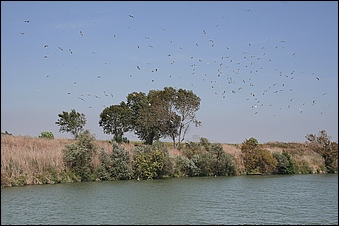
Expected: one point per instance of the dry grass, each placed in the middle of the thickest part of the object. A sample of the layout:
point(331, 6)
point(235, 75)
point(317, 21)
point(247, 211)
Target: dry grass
point(235, 151)
point(27, 160)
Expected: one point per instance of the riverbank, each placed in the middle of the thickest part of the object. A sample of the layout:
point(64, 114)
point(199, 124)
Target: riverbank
point(29, 160)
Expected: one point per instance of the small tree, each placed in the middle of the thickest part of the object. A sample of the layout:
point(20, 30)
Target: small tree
point(47, 135)
point(257, 159)
point(322, 145)
point(186, 104)
point(72, 122)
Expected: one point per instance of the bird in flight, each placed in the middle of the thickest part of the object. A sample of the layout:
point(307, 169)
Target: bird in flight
point(22, 33)
point(26, 21)
point(131, 16)
point(82, 99)
point(81, 33)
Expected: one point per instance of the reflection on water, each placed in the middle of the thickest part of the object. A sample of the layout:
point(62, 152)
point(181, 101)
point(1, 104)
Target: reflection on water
point(295, 199)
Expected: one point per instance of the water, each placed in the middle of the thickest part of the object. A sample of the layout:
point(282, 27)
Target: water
point(294, 199)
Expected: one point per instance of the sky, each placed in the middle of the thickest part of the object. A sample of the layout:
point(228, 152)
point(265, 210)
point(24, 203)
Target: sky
point(267, 70)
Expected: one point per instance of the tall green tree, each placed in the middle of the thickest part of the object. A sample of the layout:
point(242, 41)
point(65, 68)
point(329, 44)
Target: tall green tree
point(143, 117)
point(72, 122)
point(178, 111)
point(162, 113)
point(116, 120)
point(322, 145)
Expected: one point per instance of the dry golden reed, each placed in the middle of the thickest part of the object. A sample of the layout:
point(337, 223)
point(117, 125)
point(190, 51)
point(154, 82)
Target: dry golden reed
point(30, 160)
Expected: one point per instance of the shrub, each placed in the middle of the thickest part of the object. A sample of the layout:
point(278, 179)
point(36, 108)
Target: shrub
point(103, 171)
point(119, 140)
point(78, 156)
point(152, 161)
point(192, 148)
point(47, 135)
point(285, 165)
point(186, 167)
point(303, 167)
point(205, 162)
point(121, 164)
point(257, 160)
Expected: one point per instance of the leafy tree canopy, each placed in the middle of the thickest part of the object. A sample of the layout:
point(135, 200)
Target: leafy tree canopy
point(72, 122)
point(159, 114)
point(322, 145)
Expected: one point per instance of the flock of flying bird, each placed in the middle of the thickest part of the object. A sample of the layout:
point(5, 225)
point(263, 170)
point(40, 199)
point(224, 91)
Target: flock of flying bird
point(226, 76)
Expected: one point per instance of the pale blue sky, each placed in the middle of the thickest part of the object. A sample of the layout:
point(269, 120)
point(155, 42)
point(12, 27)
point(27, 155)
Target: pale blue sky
point(267, 70)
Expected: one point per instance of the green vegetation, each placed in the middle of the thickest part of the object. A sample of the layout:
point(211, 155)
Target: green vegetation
point(6, 133)
point(257, 160)
point(159, 114)
point(166, 113)
point(78, 156)
point(47, 135)
point(115, 166)
point(115, 120)
point(27, 160)
point(328, 150)
point(285, 163)
point(72, 122)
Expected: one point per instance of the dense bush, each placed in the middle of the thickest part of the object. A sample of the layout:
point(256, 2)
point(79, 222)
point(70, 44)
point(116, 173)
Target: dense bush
point(285, 163)
point(186, 167)
point(121, 167)
point(206, 159)
point(45, 134)
point(215, 161)
point(192, 148)
point(78, 156)
point(328, 149)
point(303, 167)
point(103, 170)
point(152, 161)
point(115, 166)
point(257, 160)
point(205, 164)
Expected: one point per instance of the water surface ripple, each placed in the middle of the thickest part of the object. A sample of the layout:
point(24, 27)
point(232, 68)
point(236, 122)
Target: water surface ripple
point(293, 199)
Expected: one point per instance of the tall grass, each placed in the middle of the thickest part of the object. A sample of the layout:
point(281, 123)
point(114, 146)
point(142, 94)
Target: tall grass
point(25, 160)
point(30, 160)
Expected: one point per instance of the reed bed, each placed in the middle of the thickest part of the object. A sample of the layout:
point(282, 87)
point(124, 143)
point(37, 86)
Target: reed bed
point(29, 160)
